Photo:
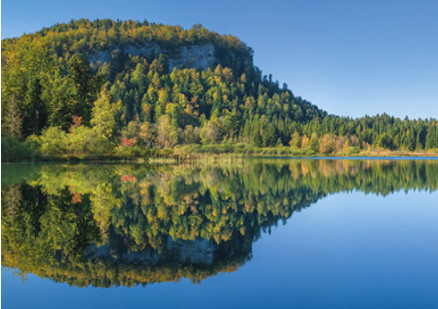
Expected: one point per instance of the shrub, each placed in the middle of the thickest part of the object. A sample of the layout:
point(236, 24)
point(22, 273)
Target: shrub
point(52, 142)
point(14, 150)
point(352, 150)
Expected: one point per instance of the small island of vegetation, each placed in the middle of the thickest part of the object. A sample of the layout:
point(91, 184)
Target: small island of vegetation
point(109, 89)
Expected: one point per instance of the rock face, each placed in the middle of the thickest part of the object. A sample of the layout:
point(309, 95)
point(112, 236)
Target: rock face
point(196, 56)
point(187, 56)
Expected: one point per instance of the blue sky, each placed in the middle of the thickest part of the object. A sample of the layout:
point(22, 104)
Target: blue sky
point(348, 57)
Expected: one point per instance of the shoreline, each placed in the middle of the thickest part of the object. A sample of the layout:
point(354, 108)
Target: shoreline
point(206, 157)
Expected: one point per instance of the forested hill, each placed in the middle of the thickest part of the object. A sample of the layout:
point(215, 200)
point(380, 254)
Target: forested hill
point(112, 87)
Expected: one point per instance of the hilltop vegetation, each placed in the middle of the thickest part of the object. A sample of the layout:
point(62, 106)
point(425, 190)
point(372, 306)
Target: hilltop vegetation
point(128, 89)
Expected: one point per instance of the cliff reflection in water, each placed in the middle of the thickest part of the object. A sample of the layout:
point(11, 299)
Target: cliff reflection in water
point(105, 225)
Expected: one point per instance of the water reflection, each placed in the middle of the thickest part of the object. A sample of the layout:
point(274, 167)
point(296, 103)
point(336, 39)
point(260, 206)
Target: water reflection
point(105, 225)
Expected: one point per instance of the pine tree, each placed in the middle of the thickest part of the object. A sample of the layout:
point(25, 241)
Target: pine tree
point(34, 110)
point(84, 86)
point(12, 119)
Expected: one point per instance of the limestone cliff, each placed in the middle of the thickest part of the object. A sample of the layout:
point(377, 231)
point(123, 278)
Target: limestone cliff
point(195, 56)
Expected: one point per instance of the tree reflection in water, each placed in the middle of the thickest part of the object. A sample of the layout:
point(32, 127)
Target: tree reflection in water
point(105, 225)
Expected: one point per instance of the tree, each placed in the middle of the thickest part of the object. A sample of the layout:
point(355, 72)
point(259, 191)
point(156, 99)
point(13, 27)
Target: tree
point(431, 139)
point(305, 142)
point(210, 133)
point(166, 133)
point(269, 135)
point(295, 141)
point(34, 109)
point(102, 120)
point(346, 146)
point(384, 141)
point(256, 137)
point(326, 144)
point(12, 119)
point(84, 86)
point(314, 142)
point(191, 135)
point(147, 133)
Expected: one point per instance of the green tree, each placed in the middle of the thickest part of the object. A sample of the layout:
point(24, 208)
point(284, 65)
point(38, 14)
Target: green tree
point(34, 109)
point(314, 142)
point(84, 86)
point(12, 122)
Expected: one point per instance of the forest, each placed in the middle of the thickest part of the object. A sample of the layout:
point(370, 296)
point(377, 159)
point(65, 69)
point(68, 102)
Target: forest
point(128, 89)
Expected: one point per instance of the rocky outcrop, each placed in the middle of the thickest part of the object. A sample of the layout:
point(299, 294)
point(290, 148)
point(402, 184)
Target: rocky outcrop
point(193, 56)
point(196, 56)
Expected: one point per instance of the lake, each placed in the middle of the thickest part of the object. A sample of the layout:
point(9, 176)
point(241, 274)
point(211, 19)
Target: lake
point(258, 233)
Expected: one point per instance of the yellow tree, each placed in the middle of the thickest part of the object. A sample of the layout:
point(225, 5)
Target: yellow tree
point(305, 142)
point(166, 133)
point(103, 121)
point(326, 144)
point(295, 141)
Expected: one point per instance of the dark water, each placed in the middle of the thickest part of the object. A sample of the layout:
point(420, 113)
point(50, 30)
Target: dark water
point(255, 234)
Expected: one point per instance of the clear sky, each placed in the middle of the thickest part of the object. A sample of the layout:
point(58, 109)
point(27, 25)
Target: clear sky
point(348, 57)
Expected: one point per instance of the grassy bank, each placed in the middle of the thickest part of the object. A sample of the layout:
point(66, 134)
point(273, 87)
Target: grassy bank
point(193, 151)
point(14, 151)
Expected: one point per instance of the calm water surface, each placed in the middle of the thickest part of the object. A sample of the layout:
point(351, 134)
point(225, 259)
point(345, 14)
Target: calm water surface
point(257, 234)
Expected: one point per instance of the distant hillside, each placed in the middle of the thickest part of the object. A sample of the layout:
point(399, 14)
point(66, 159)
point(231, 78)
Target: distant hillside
point(106, 86)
